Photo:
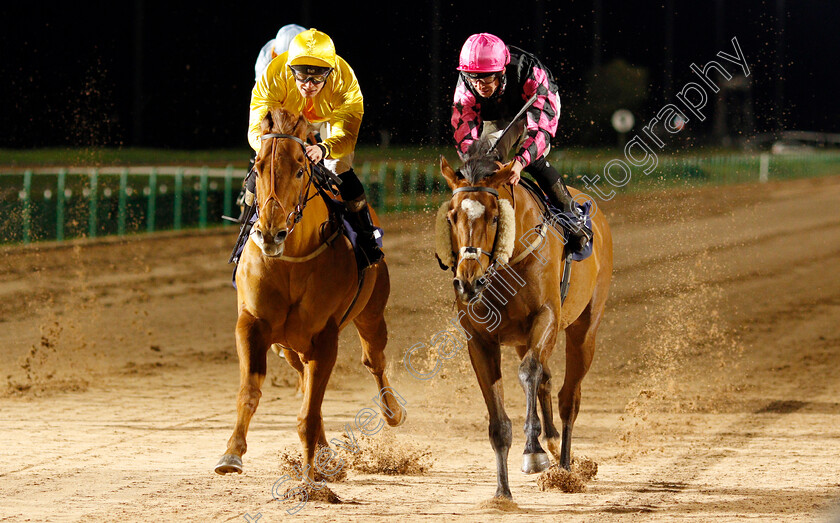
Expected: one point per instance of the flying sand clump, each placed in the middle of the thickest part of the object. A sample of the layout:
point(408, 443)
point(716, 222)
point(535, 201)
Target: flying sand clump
point(557, 478)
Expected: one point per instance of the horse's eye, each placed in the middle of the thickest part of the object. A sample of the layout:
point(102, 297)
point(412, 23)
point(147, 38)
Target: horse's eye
point(496, 219)
point(300, 172)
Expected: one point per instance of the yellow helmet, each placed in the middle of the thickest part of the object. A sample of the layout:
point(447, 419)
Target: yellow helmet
point(312, 47)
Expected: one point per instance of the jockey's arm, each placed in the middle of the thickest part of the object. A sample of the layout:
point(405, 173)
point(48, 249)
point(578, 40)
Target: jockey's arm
point(269, 91)
point(542, 117)
point(465, 119)
point(346, 118)
point(344, 130)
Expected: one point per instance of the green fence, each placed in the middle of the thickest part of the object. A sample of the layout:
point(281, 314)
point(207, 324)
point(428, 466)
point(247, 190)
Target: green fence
point(712, 170)
point(58, 204)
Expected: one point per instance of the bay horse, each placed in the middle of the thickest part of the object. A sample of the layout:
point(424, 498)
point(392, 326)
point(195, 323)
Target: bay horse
point(297, 287)
point(508, 267)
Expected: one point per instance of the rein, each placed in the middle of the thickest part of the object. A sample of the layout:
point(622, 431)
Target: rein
point(293, 217)
point(303, 200)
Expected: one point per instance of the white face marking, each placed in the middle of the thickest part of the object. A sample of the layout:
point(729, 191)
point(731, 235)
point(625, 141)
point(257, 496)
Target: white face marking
point(473, 209)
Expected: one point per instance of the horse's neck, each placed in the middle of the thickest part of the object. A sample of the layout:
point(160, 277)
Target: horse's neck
point(529, 214)
point(524, 205)
point(306, 236)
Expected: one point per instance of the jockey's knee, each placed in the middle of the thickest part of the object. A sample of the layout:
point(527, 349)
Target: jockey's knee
point(351, 187)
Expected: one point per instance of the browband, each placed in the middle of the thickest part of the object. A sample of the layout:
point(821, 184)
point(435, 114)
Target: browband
point(492, 191)
point(278, 135)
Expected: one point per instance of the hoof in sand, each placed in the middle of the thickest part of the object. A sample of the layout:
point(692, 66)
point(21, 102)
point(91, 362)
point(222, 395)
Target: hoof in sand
point(229, 463)
point(390, 420)
point(535, 463)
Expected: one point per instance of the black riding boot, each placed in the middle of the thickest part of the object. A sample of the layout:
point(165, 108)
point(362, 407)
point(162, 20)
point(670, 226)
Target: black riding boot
point(579, 233)
point(353, 194)
point(552, 184)
point(359, 216)
point(246, 202)
point(249, 188)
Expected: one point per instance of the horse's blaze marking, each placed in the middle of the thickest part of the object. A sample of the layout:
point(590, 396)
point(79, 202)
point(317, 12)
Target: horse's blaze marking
point(473, 209)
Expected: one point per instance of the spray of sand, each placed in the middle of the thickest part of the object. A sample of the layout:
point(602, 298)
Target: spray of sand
point(683, 336)
point(383, 453)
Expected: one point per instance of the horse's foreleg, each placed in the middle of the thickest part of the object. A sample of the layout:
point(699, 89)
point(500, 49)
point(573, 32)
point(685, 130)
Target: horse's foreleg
point(580, 348)
point(251, 346)
point(317, 375)
point(542, 336)
point(486, 361)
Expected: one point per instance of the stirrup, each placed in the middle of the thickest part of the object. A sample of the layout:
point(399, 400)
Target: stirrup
point(581, 235)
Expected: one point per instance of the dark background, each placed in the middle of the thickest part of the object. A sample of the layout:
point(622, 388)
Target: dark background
point(178, 74)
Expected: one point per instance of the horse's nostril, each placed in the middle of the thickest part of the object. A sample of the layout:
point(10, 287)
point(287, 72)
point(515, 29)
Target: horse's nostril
point(459, 285)
point(281, 236)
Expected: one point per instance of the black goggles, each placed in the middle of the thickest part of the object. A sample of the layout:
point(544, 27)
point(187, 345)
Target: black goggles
point(316, 75)
point(482, 78)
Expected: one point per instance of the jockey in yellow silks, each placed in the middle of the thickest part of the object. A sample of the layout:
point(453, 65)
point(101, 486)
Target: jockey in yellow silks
point(310, 78)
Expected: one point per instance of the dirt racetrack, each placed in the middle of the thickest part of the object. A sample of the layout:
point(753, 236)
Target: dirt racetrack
point(714, 393)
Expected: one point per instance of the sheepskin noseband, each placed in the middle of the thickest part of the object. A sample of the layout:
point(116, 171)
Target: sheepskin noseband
point(505, 235)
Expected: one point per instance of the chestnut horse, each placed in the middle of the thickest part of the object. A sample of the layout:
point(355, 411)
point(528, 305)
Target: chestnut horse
point(297, 287)
point(508, 263)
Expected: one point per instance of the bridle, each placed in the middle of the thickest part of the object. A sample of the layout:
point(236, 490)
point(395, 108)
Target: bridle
point(471, 252)
point(293, 217)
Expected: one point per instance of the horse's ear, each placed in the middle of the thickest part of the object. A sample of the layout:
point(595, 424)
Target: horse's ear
point(266, 124)
point(501, 176)
point(302, 123)
point(451, 178)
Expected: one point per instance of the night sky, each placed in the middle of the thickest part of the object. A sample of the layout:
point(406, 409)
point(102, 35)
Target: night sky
point(70, 74)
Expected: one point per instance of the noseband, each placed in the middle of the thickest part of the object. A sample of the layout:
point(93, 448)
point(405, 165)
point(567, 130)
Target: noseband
point(470, 252)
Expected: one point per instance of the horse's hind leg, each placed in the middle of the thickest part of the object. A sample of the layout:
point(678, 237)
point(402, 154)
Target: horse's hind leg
point(252, 347)
point(552, 436)
point(373, 334)
point(580, 348)
point(541, 338)
point(293, 359)
point(486, 361)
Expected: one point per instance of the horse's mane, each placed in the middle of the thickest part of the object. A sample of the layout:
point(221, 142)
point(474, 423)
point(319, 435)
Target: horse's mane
point(279, 120)
point(480, 161)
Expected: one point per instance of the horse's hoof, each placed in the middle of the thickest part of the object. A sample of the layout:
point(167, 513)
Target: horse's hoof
point(229, 463)
point(535, 463)
point(277, 349)
point(403, 415)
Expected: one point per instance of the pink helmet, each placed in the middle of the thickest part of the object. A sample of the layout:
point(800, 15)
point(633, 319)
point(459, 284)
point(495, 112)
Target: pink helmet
point(483, 53)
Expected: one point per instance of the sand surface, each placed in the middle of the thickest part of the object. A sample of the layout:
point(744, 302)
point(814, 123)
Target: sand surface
point(714, 394)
